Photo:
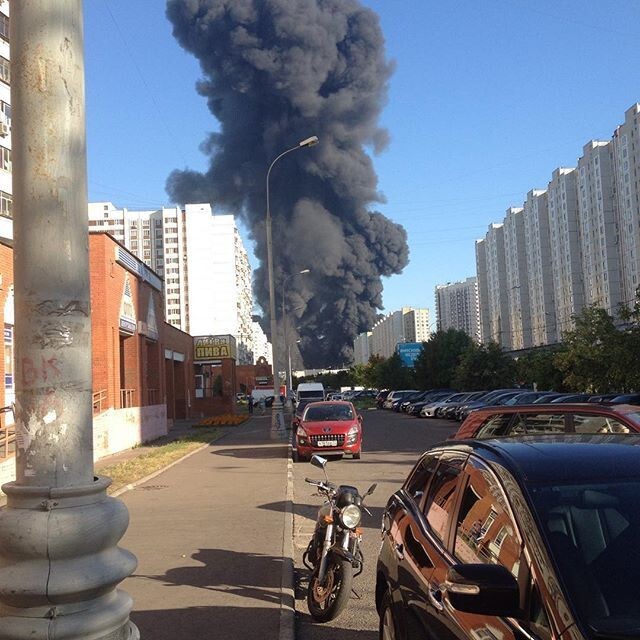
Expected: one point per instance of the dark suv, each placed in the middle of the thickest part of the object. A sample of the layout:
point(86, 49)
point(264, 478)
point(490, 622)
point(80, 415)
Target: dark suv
point(520, 538)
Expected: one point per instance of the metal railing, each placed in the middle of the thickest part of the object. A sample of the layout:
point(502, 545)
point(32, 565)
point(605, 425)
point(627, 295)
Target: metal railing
point(7, 434)
point(127, 398)
point(99, 401)
point(153, 396)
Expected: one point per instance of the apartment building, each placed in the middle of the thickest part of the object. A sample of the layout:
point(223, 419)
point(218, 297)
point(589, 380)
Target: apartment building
point(458, 307)
point(517, 279)
point(540, 279)
point(405, 325)
point(599, 236)
point(483, 290)
point(362, 348)
point(566, 258)
point(626, 154)
point(499, 329)
point(201, 256)
point(6, 191)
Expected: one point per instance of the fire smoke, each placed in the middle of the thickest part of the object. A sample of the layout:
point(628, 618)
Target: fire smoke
point(274, 73)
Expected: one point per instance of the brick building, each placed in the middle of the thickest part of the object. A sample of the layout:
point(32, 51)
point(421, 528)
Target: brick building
point(143, 375)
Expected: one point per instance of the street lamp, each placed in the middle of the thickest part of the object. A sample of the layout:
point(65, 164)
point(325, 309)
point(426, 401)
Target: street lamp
point(289, 373)
point(277, 418)
point(284, 319)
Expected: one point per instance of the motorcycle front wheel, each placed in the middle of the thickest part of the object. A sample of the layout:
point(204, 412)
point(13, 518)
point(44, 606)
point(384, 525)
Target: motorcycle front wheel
point(326, 601)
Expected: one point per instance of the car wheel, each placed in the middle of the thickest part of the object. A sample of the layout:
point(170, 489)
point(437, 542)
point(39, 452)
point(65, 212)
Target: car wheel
point(387, 628)
point(356, 456)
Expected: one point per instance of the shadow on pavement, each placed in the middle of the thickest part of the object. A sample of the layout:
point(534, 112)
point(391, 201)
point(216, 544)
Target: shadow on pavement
point(259, 452)
point(261, 574)
point(222, 623)
point(333, 632)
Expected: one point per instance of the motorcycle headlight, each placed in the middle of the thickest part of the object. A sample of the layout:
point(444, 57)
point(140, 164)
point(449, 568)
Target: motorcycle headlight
point(350, 516)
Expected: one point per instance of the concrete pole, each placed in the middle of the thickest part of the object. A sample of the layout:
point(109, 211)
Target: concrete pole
point(59, 559)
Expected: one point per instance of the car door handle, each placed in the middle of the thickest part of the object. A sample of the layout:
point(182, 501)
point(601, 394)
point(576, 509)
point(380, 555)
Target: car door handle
point(399, 549)
point(435, 598)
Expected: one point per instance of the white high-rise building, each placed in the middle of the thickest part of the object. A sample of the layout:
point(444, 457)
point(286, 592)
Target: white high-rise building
point(362, 348)
point(566, 261)
point(404, 325)
point(498, 305)
point(598, 227)
point(6, 191)
point(538, 253)
point(483, 290)
point(457, 307)
point(517, 278)
point(626, 145)
point(207, 276)
point(261, 345)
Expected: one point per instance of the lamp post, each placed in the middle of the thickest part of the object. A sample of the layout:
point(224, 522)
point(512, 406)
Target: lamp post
point(277, 418)
point(284, 321)
point(289, 374)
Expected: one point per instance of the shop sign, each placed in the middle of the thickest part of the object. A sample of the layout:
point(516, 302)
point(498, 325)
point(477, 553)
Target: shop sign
point(207, 348)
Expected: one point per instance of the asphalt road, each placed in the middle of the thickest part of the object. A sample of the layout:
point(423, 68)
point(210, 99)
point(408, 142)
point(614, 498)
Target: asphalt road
point(392, 444)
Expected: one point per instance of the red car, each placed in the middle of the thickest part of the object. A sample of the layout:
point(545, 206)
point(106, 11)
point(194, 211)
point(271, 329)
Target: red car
point(328, 427)
point(549, 419)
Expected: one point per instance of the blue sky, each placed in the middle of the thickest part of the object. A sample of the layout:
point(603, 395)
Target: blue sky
point(488, 97)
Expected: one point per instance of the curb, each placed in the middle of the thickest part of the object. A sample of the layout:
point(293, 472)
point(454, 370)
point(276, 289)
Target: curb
point(287, 594)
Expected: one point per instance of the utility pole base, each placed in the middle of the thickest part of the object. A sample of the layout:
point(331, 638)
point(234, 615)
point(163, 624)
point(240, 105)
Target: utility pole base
point(60, 564)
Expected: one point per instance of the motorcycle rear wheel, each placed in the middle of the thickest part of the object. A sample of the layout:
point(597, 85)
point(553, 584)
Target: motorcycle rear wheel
point(326, 602)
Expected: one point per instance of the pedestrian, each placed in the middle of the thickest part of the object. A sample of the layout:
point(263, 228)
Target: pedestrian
point(250, 403)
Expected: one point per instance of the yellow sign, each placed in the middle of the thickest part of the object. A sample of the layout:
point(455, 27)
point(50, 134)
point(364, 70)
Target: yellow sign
point(214, 347)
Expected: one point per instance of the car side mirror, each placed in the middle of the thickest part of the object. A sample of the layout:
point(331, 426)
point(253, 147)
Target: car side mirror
point(359, 417)
point(484, 589)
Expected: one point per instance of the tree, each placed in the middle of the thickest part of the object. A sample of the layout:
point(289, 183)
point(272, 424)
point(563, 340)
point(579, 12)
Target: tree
point(392, 374)
point(594, 358)
point(485, 367)
point(436, 365)
point(539, 368)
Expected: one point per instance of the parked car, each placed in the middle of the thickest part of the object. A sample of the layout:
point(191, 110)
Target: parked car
point(549, 419)
point(427, 397)
point(381, 397)
point(571, 397)
point(429, 409)
point(527, 397)
point(487, 400)
point(396, 395)
point(548, 397)
point(451, 410)
point(514, 538)
point(627, 398)
point(328, 427)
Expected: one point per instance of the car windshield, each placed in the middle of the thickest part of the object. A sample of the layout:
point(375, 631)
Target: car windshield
point(593, 532)
point(321, 412)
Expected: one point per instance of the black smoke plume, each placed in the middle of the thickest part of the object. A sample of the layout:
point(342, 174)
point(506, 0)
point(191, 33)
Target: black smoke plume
point(276, 72)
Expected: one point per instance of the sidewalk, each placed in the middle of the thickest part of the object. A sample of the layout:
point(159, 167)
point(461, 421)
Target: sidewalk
point(212, 537)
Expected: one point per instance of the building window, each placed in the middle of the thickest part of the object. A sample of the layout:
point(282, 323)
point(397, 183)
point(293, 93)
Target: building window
point(5, 70)
point(5, 108)
point(4, 27)
point(5, 204)
point(5, 159)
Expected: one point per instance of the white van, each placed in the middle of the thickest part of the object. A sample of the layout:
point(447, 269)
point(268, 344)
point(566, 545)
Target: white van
point(310, 391)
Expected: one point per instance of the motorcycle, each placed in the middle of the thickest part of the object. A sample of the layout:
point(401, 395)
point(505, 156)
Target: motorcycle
point(333, 555)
